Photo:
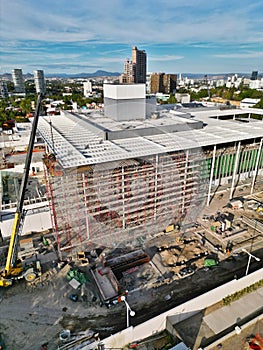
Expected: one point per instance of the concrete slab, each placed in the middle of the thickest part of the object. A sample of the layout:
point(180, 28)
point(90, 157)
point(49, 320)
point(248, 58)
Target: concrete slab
point(74, 283)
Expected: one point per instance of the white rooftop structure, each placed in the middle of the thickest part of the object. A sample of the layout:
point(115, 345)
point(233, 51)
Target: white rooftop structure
point(79, 140)
point(124, 91)
point(249, 102)
point(124, 101)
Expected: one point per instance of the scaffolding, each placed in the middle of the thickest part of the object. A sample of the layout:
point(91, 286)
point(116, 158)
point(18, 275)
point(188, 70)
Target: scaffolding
point(116, 201)
point(106, 190)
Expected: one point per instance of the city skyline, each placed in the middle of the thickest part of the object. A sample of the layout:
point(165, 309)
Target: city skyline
point(181, 36)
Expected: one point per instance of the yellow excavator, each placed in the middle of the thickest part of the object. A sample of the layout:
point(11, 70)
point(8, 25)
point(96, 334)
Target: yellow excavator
point(15, 268)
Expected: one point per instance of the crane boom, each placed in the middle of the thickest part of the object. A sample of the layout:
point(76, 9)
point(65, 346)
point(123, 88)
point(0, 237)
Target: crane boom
point(12, 266)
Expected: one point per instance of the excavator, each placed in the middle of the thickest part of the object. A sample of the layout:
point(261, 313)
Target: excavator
point(15, 268)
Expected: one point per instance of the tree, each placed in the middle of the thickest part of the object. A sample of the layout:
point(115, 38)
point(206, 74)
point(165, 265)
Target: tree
point(259, 104)
point(25, 105)
point(172, 99)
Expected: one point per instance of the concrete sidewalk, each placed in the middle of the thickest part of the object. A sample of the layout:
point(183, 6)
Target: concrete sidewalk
point(227, 316)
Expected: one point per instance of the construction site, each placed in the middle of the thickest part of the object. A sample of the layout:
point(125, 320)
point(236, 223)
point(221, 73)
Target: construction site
point(116, 180)
point(140, 208)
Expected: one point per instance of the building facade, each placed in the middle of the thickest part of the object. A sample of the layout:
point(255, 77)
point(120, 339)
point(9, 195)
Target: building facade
point(18, 80)
point(135, 69)
point(169, 83)
point(40, 81)
point(164, 83)
point(254, 75)
point(87, 88)
point(139, 61)
point(3, 89)
point(129, 75)
point(156, 83)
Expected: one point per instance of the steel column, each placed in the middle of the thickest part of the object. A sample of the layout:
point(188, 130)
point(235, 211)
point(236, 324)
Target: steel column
point(235, 170)
point(211, 176)
point(256, 167)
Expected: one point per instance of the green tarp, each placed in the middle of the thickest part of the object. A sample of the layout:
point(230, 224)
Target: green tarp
point(78, 275)
point(210, 262)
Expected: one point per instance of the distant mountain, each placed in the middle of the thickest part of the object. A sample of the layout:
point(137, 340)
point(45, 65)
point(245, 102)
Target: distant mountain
point(98, 73)
point(6, 76)
point(102, 73)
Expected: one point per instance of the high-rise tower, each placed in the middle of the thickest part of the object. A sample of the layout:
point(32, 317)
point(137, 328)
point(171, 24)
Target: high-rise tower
point(18, 81)
point(39, 81)
point(139, 61)
point(254, 75)
point(128, 76)
point(135, 69)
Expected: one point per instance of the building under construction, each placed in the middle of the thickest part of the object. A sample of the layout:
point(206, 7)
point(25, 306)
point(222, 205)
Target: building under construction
point(111, 178)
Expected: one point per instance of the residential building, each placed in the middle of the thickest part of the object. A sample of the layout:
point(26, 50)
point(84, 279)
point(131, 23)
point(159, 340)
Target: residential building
point(157, 83)
point(139, 61)
point(135, 69)
point(129, 73)
point(87, 86)
point(39, 81)
point(148, 83)
point(169, 83)
point(3, 89)
point(256, 84)
point(18, 80)
point(165, 83)
point(254, 75)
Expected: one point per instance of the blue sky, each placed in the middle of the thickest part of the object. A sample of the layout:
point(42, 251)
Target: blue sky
point(74, 36)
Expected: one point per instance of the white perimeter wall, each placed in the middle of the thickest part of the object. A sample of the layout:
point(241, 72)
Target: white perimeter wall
point(179, 313)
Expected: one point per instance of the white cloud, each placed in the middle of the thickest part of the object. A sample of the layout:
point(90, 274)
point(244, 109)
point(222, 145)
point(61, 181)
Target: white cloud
point(56, 32)
point(166, 58)
point(241, 55)
point(126, 22)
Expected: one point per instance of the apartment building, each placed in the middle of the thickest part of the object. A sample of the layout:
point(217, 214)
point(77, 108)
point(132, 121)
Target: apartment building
point(18, 80)
point(135, 69)
point(164, 83)
point(39, 81)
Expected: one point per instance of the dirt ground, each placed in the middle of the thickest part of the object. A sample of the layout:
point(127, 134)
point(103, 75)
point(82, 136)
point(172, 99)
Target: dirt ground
point(34, 314)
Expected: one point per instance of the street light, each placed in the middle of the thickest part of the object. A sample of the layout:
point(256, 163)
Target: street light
point(249, 258)
point(128, 309)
